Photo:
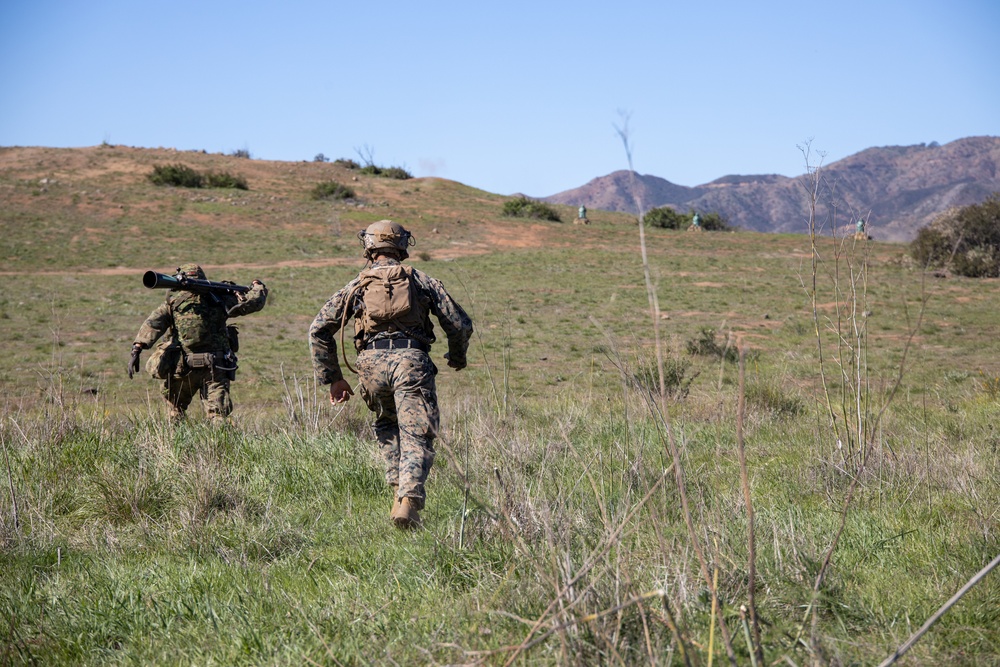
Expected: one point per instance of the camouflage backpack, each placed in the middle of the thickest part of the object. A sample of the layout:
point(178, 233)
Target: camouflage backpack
point(199, 322)
point(391, 302)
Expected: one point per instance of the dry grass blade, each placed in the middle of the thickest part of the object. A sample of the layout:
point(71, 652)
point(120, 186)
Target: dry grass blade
point(664, 413)
point(608, 541)
point(758, 651)
point(908, 644)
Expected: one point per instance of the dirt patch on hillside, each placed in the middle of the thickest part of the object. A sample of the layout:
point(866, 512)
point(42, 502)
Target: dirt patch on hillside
point(522, 235)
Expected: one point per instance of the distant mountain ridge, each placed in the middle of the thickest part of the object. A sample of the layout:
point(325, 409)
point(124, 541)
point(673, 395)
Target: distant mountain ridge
point(897, 188)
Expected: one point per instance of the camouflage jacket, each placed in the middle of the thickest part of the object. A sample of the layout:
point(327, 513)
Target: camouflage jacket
point(454, 321)
point(198, 321)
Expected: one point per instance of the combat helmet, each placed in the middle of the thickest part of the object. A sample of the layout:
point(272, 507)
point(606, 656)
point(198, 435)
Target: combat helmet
point(386, 235)
point(191, 271)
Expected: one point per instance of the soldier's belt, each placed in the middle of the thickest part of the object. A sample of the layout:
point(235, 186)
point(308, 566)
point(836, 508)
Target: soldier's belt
point(397, 344)
point(206, 360)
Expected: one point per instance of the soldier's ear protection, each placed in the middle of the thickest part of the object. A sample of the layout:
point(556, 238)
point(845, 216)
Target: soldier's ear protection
point(383, 238)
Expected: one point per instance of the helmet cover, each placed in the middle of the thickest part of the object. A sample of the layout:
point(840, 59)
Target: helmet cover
point(191, 271)
point(386, 235)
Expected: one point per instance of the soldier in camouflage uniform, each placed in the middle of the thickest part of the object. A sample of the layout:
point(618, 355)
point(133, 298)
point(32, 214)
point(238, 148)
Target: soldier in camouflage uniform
point(391, 304)
point(198, 356)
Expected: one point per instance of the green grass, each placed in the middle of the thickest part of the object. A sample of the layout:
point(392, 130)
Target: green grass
point(268, 541)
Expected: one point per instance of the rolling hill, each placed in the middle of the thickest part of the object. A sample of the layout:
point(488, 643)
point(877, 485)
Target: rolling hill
point(898, 189)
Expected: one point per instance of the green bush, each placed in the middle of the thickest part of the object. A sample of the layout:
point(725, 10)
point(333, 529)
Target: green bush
point(677, 378)
point(185, 177)
point(714, 222)
point(965, 240)
point(397, 173)
point(372, 169)
point(771, 396)
point(224, 179)
point(522, 207)
point(705, 344)
point(332, 190)
point(176, 174)
point(666, 218)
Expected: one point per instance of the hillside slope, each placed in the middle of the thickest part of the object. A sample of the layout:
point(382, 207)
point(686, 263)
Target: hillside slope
point(64, 207)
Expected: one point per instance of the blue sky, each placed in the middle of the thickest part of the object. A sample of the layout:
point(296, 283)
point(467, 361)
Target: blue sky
point(508, 97)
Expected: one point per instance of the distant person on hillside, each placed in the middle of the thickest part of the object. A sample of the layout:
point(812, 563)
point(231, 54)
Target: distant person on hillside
point(198, 352)
point(391, 304)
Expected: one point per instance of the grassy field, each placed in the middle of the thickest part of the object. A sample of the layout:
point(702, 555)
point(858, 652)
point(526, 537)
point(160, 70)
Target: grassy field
point(555, 531)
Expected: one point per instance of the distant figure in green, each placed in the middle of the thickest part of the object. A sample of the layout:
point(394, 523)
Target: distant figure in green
point(696, 221)
point(860, 226)
point(583, 213)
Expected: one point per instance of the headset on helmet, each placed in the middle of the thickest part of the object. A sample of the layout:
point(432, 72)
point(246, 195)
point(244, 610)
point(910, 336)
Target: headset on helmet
point(386, 235)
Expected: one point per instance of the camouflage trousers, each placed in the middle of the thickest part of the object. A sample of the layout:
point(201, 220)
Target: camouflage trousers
point(398, 386)
point(180, 391)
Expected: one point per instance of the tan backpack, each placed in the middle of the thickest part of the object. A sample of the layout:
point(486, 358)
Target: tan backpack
point(390, 302)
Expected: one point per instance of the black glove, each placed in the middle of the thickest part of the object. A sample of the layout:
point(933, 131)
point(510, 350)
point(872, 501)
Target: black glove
point(457, 365)
point(133, 363)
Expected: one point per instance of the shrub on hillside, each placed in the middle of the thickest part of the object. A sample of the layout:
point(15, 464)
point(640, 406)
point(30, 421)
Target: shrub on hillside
point(522, 207)
point(965, 240)
point(346, 163)
point(223, 179)
point(773, 397)
point(179, 175)
point(677, 377)
point(666, 218)
point(397, 173)
point(182, 176)
point(714, 222)
point(706, 344)
point(332, 190)
point(386, 172)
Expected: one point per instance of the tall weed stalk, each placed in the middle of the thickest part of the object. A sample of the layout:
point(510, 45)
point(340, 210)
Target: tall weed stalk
point(663, 409)
point(839, 268)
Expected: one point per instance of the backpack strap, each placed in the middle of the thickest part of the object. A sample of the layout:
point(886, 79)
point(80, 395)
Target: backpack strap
point(363, 282)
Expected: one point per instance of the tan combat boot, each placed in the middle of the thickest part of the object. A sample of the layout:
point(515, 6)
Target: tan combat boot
point(404, 514)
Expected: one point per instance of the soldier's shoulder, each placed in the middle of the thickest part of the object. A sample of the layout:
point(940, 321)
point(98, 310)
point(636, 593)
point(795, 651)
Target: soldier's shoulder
point(177, 297)
point(422, 277)
point(347, 289)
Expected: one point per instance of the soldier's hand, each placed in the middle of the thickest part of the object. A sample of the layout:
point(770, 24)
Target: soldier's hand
point(340, 392)
point(457, 365)
point(133, 363)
